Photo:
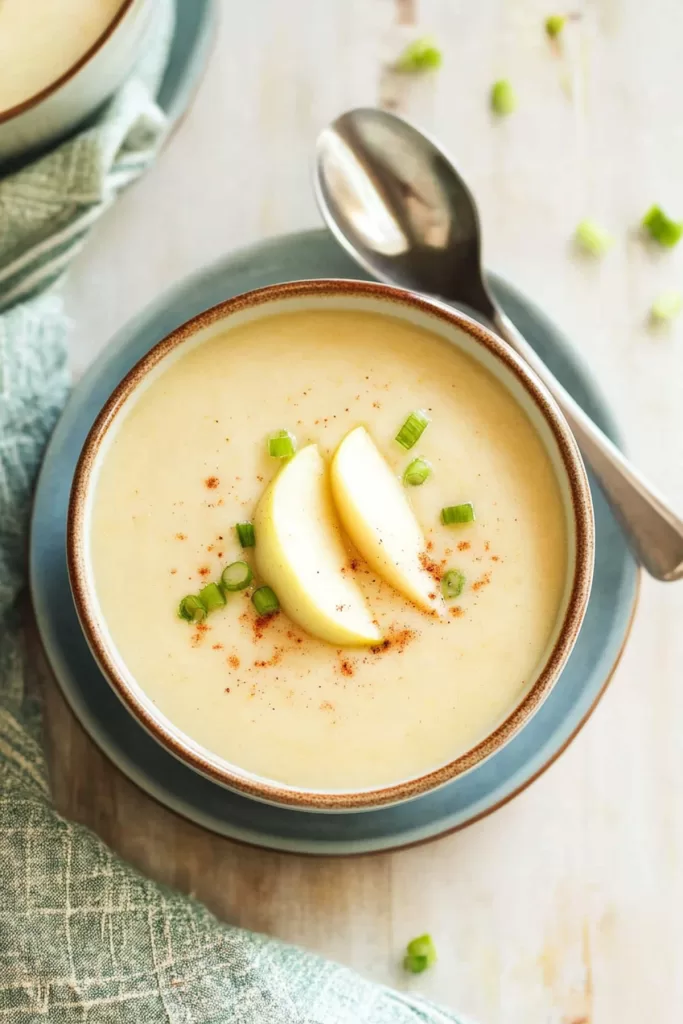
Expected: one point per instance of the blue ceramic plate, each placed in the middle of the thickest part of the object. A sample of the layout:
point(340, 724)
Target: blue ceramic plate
point(311, 254)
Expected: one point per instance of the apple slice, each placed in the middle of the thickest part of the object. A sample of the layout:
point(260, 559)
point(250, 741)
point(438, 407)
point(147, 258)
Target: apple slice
point(299, 552)
point(377, 516)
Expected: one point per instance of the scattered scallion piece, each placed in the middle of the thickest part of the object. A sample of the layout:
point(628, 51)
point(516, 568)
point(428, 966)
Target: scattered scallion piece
point(236, 576)
point(281, 445)
point(191, 609)
point(212, 597)
point(666, 306)
point(455, 514)
point(592, 238)
point(417, 472)
point(265, 601)
point(554, 24)
point(420, 55)
point(413, 429)
point(503, 98)
point(664, 230)
point(452, 584)
point(420, 954)
point(245, 534)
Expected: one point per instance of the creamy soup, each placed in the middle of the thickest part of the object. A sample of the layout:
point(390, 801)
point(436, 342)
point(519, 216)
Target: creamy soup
point(189, 461)
point(41, 39)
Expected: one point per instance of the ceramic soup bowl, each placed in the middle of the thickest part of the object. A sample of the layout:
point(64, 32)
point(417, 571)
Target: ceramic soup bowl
point(57, 109)
point(344, 785)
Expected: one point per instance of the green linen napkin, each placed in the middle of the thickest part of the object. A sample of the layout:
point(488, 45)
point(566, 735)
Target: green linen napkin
point(84, 937)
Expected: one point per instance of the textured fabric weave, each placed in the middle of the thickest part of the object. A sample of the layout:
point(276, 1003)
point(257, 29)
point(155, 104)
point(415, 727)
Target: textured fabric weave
point(83, 937)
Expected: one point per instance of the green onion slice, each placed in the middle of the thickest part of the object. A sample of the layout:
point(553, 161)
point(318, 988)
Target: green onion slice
point(554, 24)
point(236, 576)
point(452, 584)
point(413, 429)
point(212, 597)
point(503, 98)
point(191, 609)
point(420, 954)
point(592, 238)
point(664, 230)
point(245, 534)
point(417, 472)
point(666, 306)
point(420, 55)
point(265, 601)
point(458, 514)
point(281, 445)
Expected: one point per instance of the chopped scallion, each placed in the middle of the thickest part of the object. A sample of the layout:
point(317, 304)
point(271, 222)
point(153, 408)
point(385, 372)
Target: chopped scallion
point(664, 230)
point(212, 597)
point(281, 445)
point(245, 534)
point(236, 576)
point(191, 609)
point(420, 55)
point(666, 306)
point(503, 98)
point(417, 472)
point(420, 954)
point(452, 584)
point(265, 601)
point(458, 514)
point(554, 24)
point(413, 429)
point(592, 238)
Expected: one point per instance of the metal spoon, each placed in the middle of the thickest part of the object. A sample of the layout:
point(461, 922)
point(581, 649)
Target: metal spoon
point(395, 201)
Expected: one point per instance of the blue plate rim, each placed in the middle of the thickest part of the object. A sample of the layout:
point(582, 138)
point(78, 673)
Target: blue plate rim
point(171, 800)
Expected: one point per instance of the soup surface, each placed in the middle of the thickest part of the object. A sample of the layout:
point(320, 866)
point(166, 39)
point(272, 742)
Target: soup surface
point(189, 461)
point(41, 39)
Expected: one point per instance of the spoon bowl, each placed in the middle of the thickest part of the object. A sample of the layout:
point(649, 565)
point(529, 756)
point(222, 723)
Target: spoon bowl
point(399, 207)
point(395, 201)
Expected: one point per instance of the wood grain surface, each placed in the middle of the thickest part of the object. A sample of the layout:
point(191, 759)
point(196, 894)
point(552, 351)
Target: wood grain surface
point(563, 907)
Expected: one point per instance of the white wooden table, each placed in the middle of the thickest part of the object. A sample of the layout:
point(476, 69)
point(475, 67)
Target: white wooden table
point(565, 906)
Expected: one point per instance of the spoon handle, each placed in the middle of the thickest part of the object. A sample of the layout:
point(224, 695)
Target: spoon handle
point(653, 528)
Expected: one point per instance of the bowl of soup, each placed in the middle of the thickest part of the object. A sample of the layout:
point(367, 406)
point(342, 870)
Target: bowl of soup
point(331, 543)
point(60, 60)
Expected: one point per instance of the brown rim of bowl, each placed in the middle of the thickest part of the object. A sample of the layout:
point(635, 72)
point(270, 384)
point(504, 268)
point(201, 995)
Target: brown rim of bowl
point(38, 97)
point(211, 765)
